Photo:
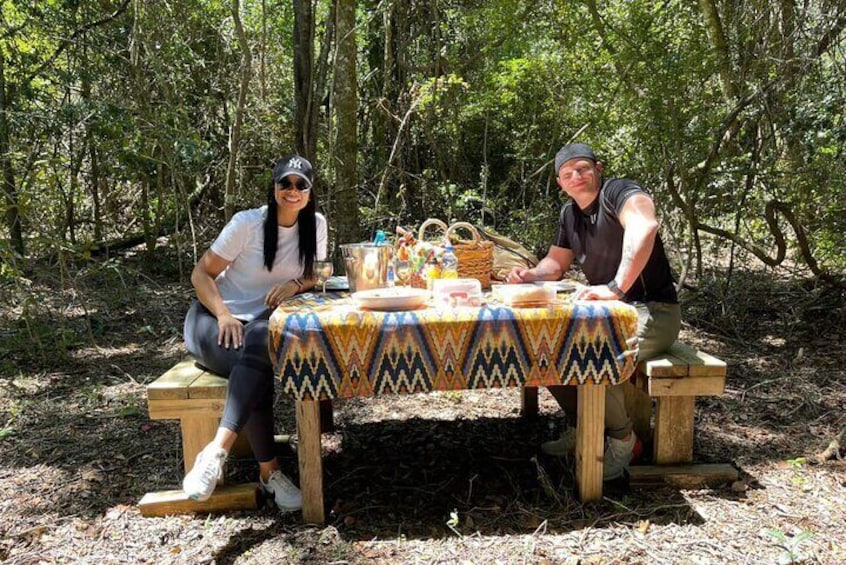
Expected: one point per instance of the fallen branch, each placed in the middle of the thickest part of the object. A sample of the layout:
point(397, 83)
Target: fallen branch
point(835, 450)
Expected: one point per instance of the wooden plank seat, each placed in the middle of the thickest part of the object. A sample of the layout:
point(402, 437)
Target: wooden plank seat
point(195, 397)
point(673, 381)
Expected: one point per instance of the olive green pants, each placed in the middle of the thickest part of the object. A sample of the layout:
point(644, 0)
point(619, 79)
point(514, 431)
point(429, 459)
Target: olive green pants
point(658, 325)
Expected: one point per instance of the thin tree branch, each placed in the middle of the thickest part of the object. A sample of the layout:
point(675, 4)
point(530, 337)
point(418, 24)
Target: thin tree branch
point(69, 40)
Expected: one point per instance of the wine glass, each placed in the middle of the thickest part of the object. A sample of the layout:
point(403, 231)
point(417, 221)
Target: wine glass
point(402, 271)
point(323, 270)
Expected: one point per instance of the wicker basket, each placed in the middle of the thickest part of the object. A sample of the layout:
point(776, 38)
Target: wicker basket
point(475, 256)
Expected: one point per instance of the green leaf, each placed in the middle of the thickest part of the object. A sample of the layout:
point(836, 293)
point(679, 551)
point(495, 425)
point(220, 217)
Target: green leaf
point(453, 519)
point(129, 412)
point(777, 534)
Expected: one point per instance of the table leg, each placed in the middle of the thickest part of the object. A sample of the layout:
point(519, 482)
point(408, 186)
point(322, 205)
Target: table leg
point(590, 440)
point(311, 462)
point(529, 396)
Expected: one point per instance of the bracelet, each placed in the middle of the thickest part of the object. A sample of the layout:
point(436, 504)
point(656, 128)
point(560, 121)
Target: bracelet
point(299, 284)
point(613, 287)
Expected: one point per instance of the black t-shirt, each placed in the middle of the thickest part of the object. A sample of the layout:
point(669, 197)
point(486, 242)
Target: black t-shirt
point(595, 236)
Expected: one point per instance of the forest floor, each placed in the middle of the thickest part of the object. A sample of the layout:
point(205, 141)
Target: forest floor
point(78, 344)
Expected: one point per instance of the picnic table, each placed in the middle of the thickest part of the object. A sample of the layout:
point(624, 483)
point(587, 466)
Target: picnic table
point(325, 347)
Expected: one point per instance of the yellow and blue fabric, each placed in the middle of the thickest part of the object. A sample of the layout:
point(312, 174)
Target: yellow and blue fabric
point(323, 346)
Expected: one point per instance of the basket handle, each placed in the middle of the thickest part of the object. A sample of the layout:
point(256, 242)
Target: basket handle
point(468, 226)
point(430, 222)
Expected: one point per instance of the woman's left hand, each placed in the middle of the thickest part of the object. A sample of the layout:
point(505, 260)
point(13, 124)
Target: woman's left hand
point(280, 292)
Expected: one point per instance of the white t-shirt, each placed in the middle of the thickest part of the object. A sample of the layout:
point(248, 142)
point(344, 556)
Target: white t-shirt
point(244, 284)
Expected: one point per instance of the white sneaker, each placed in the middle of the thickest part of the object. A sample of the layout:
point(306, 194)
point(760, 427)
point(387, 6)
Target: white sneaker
point(203, 477)
point(287, 496)
point(618, 454)
point(565, 445)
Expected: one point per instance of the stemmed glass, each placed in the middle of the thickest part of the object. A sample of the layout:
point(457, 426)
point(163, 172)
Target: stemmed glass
point(323, 270)
point(402, 271)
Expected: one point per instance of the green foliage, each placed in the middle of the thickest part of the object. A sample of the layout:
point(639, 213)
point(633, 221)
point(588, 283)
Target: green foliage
point(798, 466)
point(112, 133)
point(790, 544)
point(453, 523)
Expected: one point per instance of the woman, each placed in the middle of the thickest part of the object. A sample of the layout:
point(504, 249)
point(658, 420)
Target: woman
point(262, 257)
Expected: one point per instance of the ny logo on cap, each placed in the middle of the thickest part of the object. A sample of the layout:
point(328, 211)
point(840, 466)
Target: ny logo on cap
point(295, 163)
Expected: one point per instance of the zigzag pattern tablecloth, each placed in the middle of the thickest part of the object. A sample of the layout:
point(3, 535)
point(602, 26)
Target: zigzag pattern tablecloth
point(323, 346)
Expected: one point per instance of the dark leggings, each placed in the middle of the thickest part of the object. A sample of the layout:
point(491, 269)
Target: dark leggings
point(249, 400)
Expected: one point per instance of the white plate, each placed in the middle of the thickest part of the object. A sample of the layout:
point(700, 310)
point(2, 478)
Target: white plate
point(391, 299)
point(337, 283)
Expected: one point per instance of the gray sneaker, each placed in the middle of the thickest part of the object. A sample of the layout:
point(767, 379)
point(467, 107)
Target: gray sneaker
point(618, 454)
point(287, 496)
point(565, 445)
point(203, 477)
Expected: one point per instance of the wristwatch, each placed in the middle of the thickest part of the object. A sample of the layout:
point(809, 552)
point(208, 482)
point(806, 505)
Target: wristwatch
point(613, 287)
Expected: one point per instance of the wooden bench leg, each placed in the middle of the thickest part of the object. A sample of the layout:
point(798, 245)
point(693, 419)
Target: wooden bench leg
point(311, 462)
point(590, 440)
point(327, 416)
point(197, 431)
point(674, 429)
point(639, 407)
point(529, 402)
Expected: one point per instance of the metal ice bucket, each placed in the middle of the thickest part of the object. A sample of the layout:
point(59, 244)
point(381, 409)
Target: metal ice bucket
point(367, 265)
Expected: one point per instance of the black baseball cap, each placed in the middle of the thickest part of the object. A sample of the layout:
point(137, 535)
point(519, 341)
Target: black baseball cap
point(573, 151)
point(293, 165)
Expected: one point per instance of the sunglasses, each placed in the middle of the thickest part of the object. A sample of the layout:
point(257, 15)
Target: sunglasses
point(286, 184)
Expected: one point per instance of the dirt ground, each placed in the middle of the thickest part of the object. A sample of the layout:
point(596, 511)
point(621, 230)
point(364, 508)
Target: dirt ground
point(437, 478)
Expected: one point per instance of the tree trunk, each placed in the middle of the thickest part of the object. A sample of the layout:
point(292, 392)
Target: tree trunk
point(13, 217)
point(161, 171)
point(718, 41)
point(76, 157)
point(323, 63)
point(235, 132)
point(382, 119)
point(263, 52)
point(94, 183)
point(146, 216)
point(306, 125)
point(346, 110)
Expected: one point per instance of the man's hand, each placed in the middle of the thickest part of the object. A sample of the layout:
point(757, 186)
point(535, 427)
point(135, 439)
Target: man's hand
point(230, 331)
point(596, 292)
point(521, 275)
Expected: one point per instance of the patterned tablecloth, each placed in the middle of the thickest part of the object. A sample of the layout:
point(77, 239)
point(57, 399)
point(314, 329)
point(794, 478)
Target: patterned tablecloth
point(323, 346)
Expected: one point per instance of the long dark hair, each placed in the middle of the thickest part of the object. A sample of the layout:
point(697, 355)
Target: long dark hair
point(306, 227)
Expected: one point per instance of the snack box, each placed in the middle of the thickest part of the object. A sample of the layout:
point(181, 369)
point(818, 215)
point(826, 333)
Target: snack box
point(523, 294)
point(456, 292)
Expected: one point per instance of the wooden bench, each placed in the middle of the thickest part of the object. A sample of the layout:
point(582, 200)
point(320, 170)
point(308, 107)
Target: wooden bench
point(196, 397)
point(673, 380)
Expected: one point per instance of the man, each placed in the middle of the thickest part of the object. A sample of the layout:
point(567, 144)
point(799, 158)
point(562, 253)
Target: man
point(610, 229)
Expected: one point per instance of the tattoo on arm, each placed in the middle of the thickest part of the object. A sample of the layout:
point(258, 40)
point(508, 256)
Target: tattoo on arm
point(626, 260)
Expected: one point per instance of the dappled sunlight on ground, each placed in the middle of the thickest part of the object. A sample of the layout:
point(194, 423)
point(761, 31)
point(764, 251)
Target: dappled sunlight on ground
point(77, 452)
